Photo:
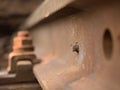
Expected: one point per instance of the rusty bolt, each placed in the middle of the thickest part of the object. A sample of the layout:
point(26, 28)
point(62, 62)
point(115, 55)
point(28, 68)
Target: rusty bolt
point(23, 33)
point(22, 42)
point(23, 50)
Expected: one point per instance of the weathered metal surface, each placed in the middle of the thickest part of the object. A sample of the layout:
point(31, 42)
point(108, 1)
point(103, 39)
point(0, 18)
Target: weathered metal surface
point(89, 69)
point(46, 9)
point(23, 74)
point(28, 86)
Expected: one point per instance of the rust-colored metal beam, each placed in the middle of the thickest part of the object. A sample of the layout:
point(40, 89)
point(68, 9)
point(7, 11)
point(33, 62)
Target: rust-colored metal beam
point(80, 51)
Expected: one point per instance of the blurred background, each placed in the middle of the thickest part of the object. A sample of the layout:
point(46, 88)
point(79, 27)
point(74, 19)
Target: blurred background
point(12, 14)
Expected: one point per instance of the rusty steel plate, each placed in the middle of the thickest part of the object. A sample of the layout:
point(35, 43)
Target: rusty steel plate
point(80, 51)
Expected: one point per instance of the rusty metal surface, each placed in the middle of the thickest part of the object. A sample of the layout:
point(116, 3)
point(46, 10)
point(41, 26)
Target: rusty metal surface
point(28, 86)
point(47, 8)
point(87, 65)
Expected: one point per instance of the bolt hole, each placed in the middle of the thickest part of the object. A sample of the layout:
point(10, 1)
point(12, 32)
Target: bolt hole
point(107, 43)
point(76, 48)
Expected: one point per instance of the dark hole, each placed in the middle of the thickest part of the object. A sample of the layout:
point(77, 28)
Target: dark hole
point(107, 43)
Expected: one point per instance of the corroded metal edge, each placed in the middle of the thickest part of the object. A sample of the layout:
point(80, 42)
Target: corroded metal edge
point(45, 10)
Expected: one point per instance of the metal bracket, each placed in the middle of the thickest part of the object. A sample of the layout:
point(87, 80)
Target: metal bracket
point(23, 51)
